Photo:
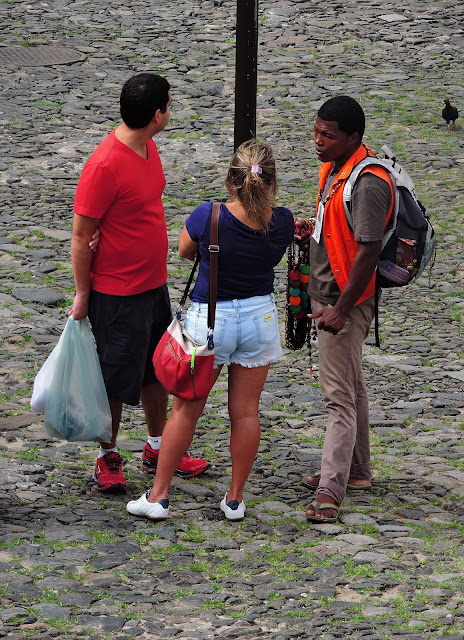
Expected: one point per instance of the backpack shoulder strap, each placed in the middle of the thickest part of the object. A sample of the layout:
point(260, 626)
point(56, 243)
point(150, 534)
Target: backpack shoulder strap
point(354, 175)
point(376, 313)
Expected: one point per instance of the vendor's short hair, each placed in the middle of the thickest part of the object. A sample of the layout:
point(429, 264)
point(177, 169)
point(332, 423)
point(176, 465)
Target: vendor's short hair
point(141, 97)
point(346, 112)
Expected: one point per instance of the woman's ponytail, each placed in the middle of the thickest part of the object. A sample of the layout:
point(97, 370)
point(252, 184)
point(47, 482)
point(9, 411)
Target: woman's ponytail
point(252, 178)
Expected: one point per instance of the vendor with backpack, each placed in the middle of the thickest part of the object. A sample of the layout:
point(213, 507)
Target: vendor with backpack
point(343, 262)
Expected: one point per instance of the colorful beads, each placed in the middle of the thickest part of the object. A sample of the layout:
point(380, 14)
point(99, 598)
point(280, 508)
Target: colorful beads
point(297, 323)
point(298, 279)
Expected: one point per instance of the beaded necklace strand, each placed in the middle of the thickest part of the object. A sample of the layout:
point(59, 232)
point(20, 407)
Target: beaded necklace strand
point(297, 324)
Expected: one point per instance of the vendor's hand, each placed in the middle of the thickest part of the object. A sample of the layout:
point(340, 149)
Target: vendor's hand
point(93, 244)
point(303, 240)
point(302, 233)
point(331, 320)
point(80, 306)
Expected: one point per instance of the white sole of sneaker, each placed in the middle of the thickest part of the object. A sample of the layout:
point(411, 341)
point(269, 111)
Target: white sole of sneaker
point(150, 510)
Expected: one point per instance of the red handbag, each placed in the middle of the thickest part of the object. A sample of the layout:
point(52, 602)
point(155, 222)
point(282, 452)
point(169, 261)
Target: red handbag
point(182, 366)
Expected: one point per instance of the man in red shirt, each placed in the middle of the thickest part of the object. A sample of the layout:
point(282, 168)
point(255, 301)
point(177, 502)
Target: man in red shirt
point(122, 285)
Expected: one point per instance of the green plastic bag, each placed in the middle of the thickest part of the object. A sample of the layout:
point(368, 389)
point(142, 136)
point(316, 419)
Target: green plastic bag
point(76, 406)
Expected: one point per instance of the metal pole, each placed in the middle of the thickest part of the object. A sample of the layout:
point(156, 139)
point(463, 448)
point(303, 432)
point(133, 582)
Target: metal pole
point(246, 71)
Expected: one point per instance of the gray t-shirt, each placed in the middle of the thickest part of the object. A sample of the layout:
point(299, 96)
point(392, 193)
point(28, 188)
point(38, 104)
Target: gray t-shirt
point(370, 203)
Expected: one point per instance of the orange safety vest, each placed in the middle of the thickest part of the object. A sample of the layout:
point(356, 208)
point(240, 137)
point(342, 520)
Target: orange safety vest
point(338, 237)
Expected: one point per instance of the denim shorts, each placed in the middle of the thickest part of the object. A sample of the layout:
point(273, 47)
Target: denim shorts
point(246, 331)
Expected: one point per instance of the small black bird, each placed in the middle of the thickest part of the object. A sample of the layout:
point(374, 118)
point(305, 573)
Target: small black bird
point(450, 114)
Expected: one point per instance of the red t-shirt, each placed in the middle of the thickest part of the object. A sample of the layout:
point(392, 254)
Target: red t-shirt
point(123, 190)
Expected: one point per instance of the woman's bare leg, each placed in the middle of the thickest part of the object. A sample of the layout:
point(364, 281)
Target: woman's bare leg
point(245, 387)
point(177, 438)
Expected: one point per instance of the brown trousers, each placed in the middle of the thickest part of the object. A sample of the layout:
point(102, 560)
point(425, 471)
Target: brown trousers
point(346, 450)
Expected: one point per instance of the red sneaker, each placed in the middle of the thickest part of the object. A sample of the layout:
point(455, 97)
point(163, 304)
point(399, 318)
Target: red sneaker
point(108, 473)
point(149, 459)
point(188, 467)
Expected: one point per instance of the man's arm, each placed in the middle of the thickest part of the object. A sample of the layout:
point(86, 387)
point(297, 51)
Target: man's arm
point(81, 258)
point(333, 319)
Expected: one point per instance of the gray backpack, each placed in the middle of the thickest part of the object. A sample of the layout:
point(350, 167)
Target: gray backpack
point(409, 244)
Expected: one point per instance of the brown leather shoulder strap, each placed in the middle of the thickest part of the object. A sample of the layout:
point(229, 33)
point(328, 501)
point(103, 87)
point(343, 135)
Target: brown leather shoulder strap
point(213, 264)
point(213, 267)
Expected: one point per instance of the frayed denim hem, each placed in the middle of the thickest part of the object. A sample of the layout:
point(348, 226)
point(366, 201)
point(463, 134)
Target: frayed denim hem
point(255, 365)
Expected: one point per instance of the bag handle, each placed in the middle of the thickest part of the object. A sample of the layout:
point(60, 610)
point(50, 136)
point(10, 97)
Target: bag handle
point(187, 288)
point(212, 292)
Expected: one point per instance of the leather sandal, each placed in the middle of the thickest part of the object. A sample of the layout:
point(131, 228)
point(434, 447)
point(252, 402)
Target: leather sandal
point(320, 506)
point(312, 482)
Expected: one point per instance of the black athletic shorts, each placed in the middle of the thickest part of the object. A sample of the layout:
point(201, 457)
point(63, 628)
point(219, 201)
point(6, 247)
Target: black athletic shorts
point(127, 330)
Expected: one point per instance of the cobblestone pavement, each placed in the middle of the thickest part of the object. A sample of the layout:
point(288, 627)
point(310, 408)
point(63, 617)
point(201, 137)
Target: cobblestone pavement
point(73, 564)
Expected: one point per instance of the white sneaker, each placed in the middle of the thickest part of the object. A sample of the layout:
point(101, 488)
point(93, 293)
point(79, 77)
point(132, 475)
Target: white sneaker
point(152, 510)
point(233, 510)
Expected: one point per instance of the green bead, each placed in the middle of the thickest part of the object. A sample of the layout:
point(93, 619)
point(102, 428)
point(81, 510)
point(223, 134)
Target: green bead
point(304, 268)
point(294, 308)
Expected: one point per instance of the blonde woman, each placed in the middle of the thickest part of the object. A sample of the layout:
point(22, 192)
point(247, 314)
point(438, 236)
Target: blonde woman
point(253, 236)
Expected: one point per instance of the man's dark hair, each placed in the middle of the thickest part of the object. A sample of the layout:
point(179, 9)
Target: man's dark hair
point(141, 97)
point(346, 112)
